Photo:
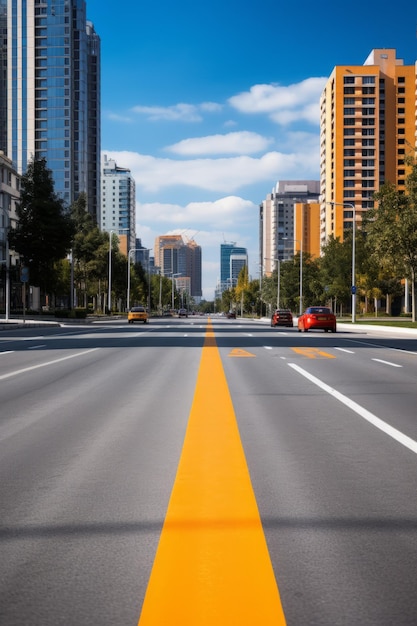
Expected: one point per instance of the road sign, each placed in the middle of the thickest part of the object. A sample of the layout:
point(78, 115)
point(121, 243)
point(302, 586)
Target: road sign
point(24, 274)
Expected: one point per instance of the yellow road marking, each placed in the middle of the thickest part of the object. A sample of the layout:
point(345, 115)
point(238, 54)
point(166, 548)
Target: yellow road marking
point(239, 352)
point(212, 566)
point(313, 353)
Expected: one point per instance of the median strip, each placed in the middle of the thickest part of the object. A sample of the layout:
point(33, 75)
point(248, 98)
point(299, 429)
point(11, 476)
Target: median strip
point(212, 564)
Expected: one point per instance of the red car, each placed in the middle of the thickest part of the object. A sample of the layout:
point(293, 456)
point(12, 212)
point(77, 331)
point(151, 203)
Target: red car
point(282, 317)
point(317, 317)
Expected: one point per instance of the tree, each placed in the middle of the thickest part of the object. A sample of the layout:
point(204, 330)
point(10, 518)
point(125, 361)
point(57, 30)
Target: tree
point(391, 229)
point(44, 230)
point(242, 286)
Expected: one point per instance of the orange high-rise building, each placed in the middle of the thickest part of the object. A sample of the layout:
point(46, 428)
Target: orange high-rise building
point(367, 127)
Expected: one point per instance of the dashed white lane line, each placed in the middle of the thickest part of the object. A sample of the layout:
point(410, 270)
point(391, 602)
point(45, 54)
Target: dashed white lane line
point(387, 362)
point(39, 365)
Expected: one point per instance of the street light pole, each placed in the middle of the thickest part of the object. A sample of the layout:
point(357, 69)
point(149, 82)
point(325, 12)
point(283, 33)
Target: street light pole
point(301, 271)
point(109, 294)
point(6, 264)
point(173, 276)
point(353, 287)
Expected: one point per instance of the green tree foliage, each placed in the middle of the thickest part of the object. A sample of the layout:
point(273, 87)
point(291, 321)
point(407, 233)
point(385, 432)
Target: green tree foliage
point(44, 230)
point(336, 271)
point(89, 247)
point(392, 229)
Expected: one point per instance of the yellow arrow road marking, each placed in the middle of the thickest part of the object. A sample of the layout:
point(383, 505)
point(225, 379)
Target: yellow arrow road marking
point(239, 352)
point(212, 566)
point(313, 353)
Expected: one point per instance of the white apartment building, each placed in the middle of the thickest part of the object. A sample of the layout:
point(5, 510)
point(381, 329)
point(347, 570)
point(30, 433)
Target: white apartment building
point(118, 201)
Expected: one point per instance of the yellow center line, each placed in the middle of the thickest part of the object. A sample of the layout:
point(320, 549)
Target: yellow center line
point(212, 566)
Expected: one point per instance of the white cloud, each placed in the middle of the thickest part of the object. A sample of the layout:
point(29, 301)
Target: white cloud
point(243, 142)
point(284, 104)
point(228, 210)
point(224, 175)
point(116, 117)
point(178, 112)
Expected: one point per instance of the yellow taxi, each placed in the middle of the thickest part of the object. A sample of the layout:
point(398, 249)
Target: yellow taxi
point(137, 314)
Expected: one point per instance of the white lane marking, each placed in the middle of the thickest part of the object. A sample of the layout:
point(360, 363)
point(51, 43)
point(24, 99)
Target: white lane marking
point(386, 362)
point(36, 347)
point(35, 367)
point(357, 408)
point(7, 352)
point(268, 347)
point(344, 350)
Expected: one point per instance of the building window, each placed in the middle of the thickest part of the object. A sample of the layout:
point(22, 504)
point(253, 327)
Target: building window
point(349, 131)
point(368, 80)
point(401, 79)
point(348, 80)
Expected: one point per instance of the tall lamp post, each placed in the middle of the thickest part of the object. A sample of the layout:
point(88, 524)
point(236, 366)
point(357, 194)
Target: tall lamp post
point(7, 265)
point(128, 272)
point(300, 241)
point(353, 287)
point(173, 277)
point(278, 278)
point(110, 251)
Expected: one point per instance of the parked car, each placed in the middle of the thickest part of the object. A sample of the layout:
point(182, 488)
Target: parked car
point(282, 317)
point(182, 313)
point(317, 317)
point(137, 314)
point(231, 315)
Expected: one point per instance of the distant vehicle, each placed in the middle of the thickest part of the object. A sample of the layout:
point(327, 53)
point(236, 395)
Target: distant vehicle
point(137, 314)
point(182, 313)
point(282, 317)
point(231, 315)
point(317, 318)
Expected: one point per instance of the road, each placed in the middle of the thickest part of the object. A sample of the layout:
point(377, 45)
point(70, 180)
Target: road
point(196, 472)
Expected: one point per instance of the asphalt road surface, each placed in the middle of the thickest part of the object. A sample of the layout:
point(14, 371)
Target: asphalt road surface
point(207, 472)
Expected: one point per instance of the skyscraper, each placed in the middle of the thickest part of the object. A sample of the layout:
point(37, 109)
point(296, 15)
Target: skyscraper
point(118, 200)
point(232, 259)
point(176, 256)
point(53, 93)
point(278, 232)
point(367, 126)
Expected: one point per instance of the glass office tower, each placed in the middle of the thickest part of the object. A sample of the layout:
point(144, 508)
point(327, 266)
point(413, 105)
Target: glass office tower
point(53, 65)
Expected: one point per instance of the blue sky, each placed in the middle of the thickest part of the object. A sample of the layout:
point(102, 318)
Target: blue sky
point(211, 103)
